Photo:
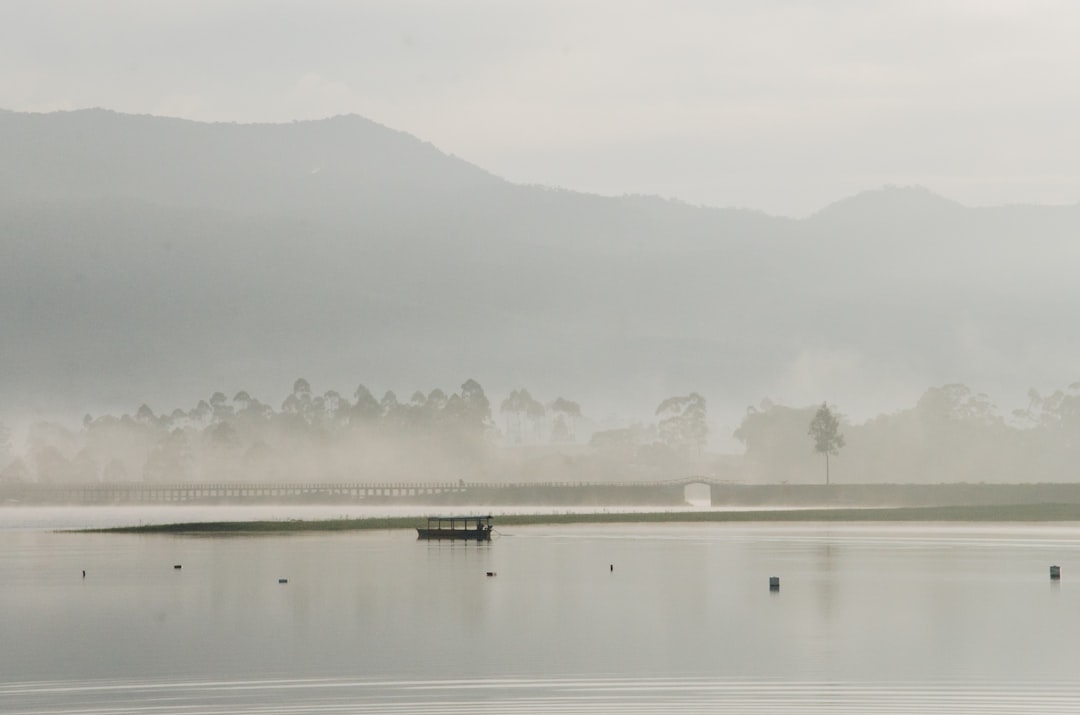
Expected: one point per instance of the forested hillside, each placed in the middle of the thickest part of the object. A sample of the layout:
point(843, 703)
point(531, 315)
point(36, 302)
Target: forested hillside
point(145, 259)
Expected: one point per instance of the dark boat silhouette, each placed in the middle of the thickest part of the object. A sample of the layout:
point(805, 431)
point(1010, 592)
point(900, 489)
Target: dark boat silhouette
point(470, 528)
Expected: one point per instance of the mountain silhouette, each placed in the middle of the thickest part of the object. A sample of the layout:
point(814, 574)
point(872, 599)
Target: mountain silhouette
point(149, 256)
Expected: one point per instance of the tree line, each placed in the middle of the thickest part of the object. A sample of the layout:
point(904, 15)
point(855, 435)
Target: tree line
point(433, 436)
point(951, 434)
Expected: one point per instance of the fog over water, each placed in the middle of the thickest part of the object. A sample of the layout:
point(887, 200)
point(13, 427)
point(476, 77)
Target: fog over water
point(869, 618)
point(498, 256)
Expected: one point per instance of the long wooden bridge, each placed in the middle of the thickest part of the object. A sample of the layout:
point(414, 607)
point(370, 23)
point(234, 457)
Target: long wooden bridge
point(656, 493)
point(547, 493)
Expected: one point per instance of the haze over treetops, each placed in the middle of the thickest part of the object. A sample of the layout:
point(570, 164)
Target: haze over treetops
point(153, 259)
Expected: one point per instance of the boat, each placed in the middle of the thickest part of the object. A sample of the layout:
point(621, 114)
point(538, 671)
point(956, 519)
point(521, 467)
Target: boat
point(471, 528)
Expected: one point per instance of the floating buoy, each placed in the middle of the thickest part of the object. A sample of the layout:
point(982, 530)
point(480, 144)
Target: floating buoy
point(178, 566)
point(490, 573)
point(1055, 573)
point(612, 567)
point(774, 583)
point(283, 580)
point(84, 573)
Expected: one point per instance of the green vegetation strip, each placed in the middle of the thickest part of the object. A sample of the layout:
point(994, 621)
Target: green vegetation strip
point(1000, 513)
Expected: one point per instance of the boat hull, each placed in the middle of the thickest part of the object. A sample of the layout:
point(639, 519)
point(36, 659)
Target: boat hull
point(454, 534)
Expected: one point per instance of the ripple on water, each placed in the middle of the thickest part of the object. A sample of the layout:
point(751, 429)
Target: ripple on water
point(535, 695)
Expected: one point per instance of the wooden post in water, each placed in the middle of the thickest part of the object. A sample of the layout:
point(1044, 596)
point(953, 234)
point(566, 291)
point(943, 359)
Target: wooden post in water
point(1055, 573)
point(774, 583)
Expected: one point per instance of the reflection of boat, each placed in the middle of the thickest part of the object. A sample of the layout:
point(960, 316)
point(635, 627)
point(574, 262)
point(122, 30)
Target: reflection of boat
point(473, 528)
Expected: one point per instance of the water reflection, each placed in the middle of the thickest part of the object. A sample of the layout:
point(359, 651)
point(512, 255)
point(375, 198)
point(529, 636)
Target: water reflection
point(646, 695)
point(883, 617)
point(825, 580)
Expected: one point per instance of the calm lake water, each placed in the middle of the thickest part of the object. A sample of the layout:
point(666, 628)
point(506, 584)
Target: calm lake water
point(870, 618)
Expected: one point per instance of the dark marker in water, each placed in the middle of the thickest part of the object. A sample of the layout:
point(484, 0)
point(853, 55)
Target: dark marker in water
point(612, 567)
point(84, 573)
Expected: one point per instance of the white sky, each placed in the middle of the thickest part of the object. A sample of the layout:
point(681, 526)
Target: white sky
point(780, 106)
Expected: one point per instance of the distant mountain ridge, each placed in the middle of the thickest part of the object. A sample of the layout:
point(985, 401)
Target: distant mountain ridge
point(892, 202)
point(99, 153)
point(297, 168)
point(146, 256)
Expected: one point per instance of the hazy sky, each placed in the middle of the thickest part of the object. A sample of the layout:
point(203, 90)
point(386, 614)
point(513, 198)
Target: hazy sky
point(782, 106)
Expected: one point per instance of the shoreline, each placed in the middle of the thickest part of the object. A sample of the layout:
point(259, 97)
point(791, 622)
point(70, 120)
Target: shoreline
point(1050, 512)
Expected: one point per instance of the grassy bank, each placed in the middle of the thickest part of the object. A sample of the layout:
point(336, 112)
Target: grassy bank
point(1002, 513)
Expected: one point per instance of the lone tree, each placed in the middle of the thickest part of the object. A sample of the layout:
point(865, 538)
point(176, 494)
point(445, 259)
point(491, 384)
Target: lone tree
point(825, 431)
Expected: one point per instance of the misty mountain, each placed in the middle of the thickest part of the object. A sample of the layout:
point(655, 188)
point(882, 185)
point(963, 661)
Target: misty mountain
point(144, 258)
point(337, 166)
